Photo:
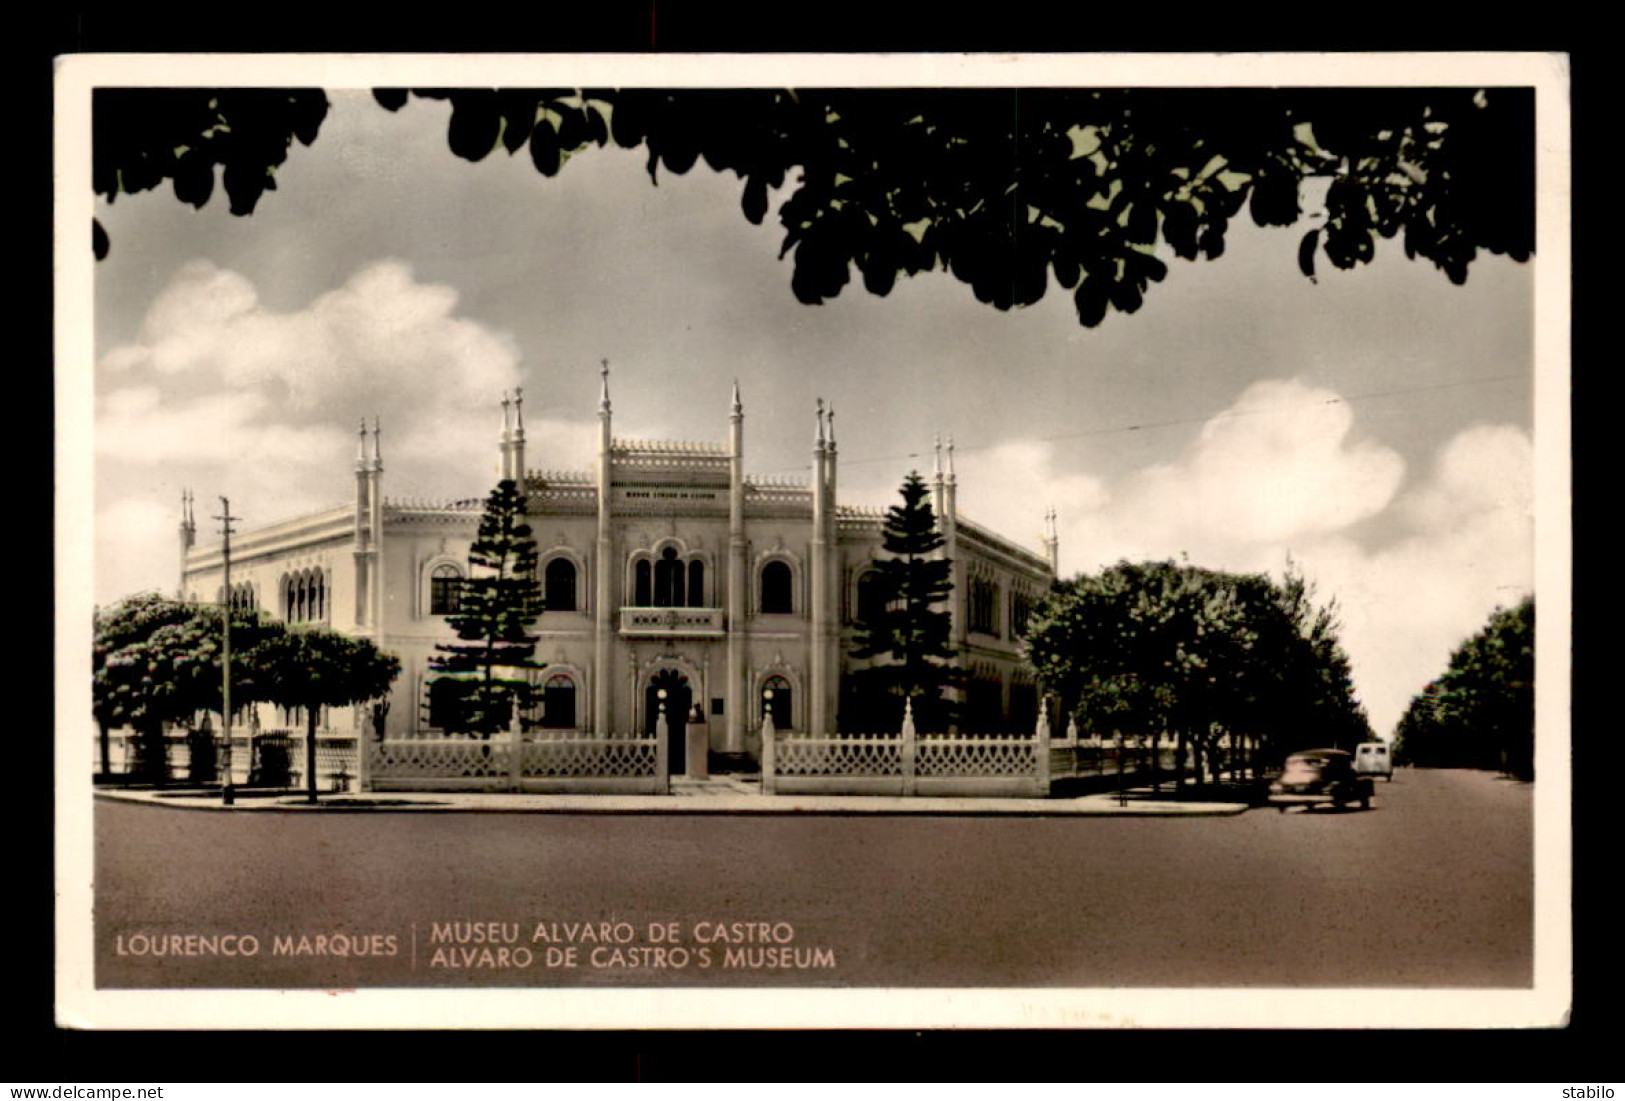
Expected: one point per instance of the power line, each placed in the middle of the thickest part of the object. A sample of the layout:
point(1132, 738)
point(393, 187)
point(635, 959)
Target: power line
point(1178, 422)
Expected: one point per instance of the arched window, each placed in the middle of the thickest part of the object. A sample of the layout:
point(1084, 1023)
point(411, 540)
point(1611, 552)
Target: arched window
point(445, 701)
point(696, 584)
point(559, 702)
point(643, 588)
point(668, 580)
point(560, 585)
point(776, 698)
point(240, 598)
point(445, 584)
point(776, 586)
point(871, 598)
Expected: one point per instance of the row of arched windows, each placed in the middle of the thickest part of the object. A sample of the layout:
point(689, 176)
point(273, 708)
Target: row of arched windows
point(304, 596)
point(666, 582)
point(242, 597)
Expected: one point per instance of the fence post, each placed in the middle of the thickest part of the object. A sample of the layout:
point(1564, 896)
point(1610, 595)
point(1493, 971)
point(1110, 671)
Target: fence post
point(1041, 740)
point(909, 746)
point(770, 753)
point(662, 772)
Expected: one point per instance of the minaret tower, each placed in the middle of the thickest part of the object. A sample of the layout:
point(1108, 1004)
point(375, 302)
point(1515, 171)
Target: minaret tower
point(818, 713)
point(375, 504)
point(1052, 542)
point(737, 692)
point(369, 506)
point(188, 533)
point(603, 570)
point(513, 438)
point(948, 524)
point(832, 584)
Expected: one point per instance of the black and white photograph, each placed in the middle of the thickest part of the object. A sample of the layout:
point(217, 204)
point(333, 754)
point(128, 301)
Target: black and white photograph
point(941, 541)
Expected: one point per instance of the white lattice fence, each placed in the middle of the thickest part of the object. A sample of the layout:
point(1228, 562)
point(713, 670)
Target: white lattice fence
point(564, 762)
point(588, 763)
point(839, 755)
point(907, 764)
point(447, 764)
point(980, 757)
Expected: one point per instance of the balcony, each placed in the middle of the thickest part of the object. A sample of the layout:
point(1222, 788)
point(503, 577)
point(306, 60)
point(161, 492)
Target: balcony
point(673, 622)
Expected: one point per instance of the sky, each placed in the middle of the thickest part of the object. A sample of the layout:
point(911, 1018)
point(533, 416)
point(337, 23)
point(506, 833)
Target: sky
point(1373, 427)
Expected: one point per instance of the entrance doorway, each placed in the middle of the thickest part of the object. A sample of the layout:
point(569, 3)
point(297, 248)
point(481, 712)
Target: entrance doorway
point(678, 698)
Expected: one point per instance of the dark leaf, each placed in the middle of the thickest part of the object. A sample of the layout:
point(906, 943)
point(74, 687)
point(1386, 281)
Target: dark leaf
point(194, 178)
point(390, 99)
point(244, 183)
point(1091, 299)
point(475, 125)
point(1066, 271)
point(755, 200)
point(1275, 199)
point(544, 148)
point(1306, 253)
point(98, 240)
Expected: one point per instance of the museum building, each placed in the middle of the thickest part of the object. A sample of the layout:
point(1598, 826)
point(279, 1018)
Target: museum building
point(673, 581)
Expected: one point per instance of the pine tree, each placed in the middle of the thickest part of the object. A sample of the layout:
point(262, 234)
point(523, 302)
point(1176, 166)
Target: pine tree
point(496, 606)
point(910, 624)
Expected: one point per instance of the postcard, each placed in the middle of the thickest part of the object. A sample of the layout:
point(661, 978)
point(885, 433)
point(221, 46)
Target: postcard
point(930, 541)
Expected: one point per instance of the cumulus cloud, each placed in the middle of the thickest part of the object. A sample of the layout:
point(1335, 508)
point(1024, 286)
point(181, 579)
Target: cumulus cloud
point(1280, 467)
point(351, 346)
point(223, 394)
point(1284, 474)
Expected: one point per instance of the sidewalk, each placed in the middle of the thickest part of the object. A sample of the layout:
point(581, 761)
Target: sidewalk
point(719, 795)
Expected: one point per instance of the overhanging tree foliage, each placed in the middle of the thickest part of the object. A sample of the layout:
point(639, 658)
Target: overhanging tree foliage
point(1480, 713)
point(1154, 647)
point(1007, 189)
point(909, 626)
point(497, 604)
point(313, 668)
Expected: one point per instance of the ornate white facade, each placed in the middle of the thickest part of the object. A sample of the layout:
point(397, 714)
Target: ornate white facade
point(667, 567)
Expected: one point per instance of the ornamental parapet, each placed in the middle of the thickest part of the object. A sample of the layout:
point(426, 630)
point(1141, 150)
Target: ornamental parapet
point(673, 622)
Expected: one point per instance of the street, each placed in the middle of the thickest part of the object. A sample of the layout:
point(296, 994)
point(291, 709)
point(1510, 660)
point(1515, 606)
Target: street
point(1432, 887)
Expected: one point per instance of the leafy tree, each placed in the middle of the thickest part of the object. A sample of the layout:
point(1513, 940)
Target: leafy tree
point(1480, 713)
point(158, 661)
point(313, 668)
point(1004, 188)
point(497, 604)
point(910, 624)
point(1154, 647)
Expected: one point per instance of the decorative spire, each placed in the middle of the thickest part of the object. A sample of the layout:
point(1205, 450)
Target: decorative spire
point(738, 407)
point(603, 396)
point(377, 447)
point(820, 415)
point(936, 444)
point(831, 416)
point(951, 477)
point(361, 447)
point(519, 414)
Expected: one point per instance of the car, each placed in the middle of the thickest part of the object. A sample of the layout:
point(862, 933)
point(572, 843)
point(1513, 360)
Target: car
point(1311, 777)
point(1374, 759)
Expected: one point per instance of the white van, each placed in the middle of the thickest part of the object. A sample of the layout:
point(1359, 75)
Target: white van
point(1373, 759)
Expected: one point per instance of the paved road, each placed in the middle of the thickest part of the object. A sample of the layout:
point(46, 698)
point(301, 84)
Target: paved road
point(1432, 887)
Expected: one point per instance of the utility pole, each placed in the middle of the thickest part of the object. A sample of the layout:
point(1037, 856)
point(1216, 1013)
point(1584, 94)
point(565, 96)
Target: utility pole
point(228, 794)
